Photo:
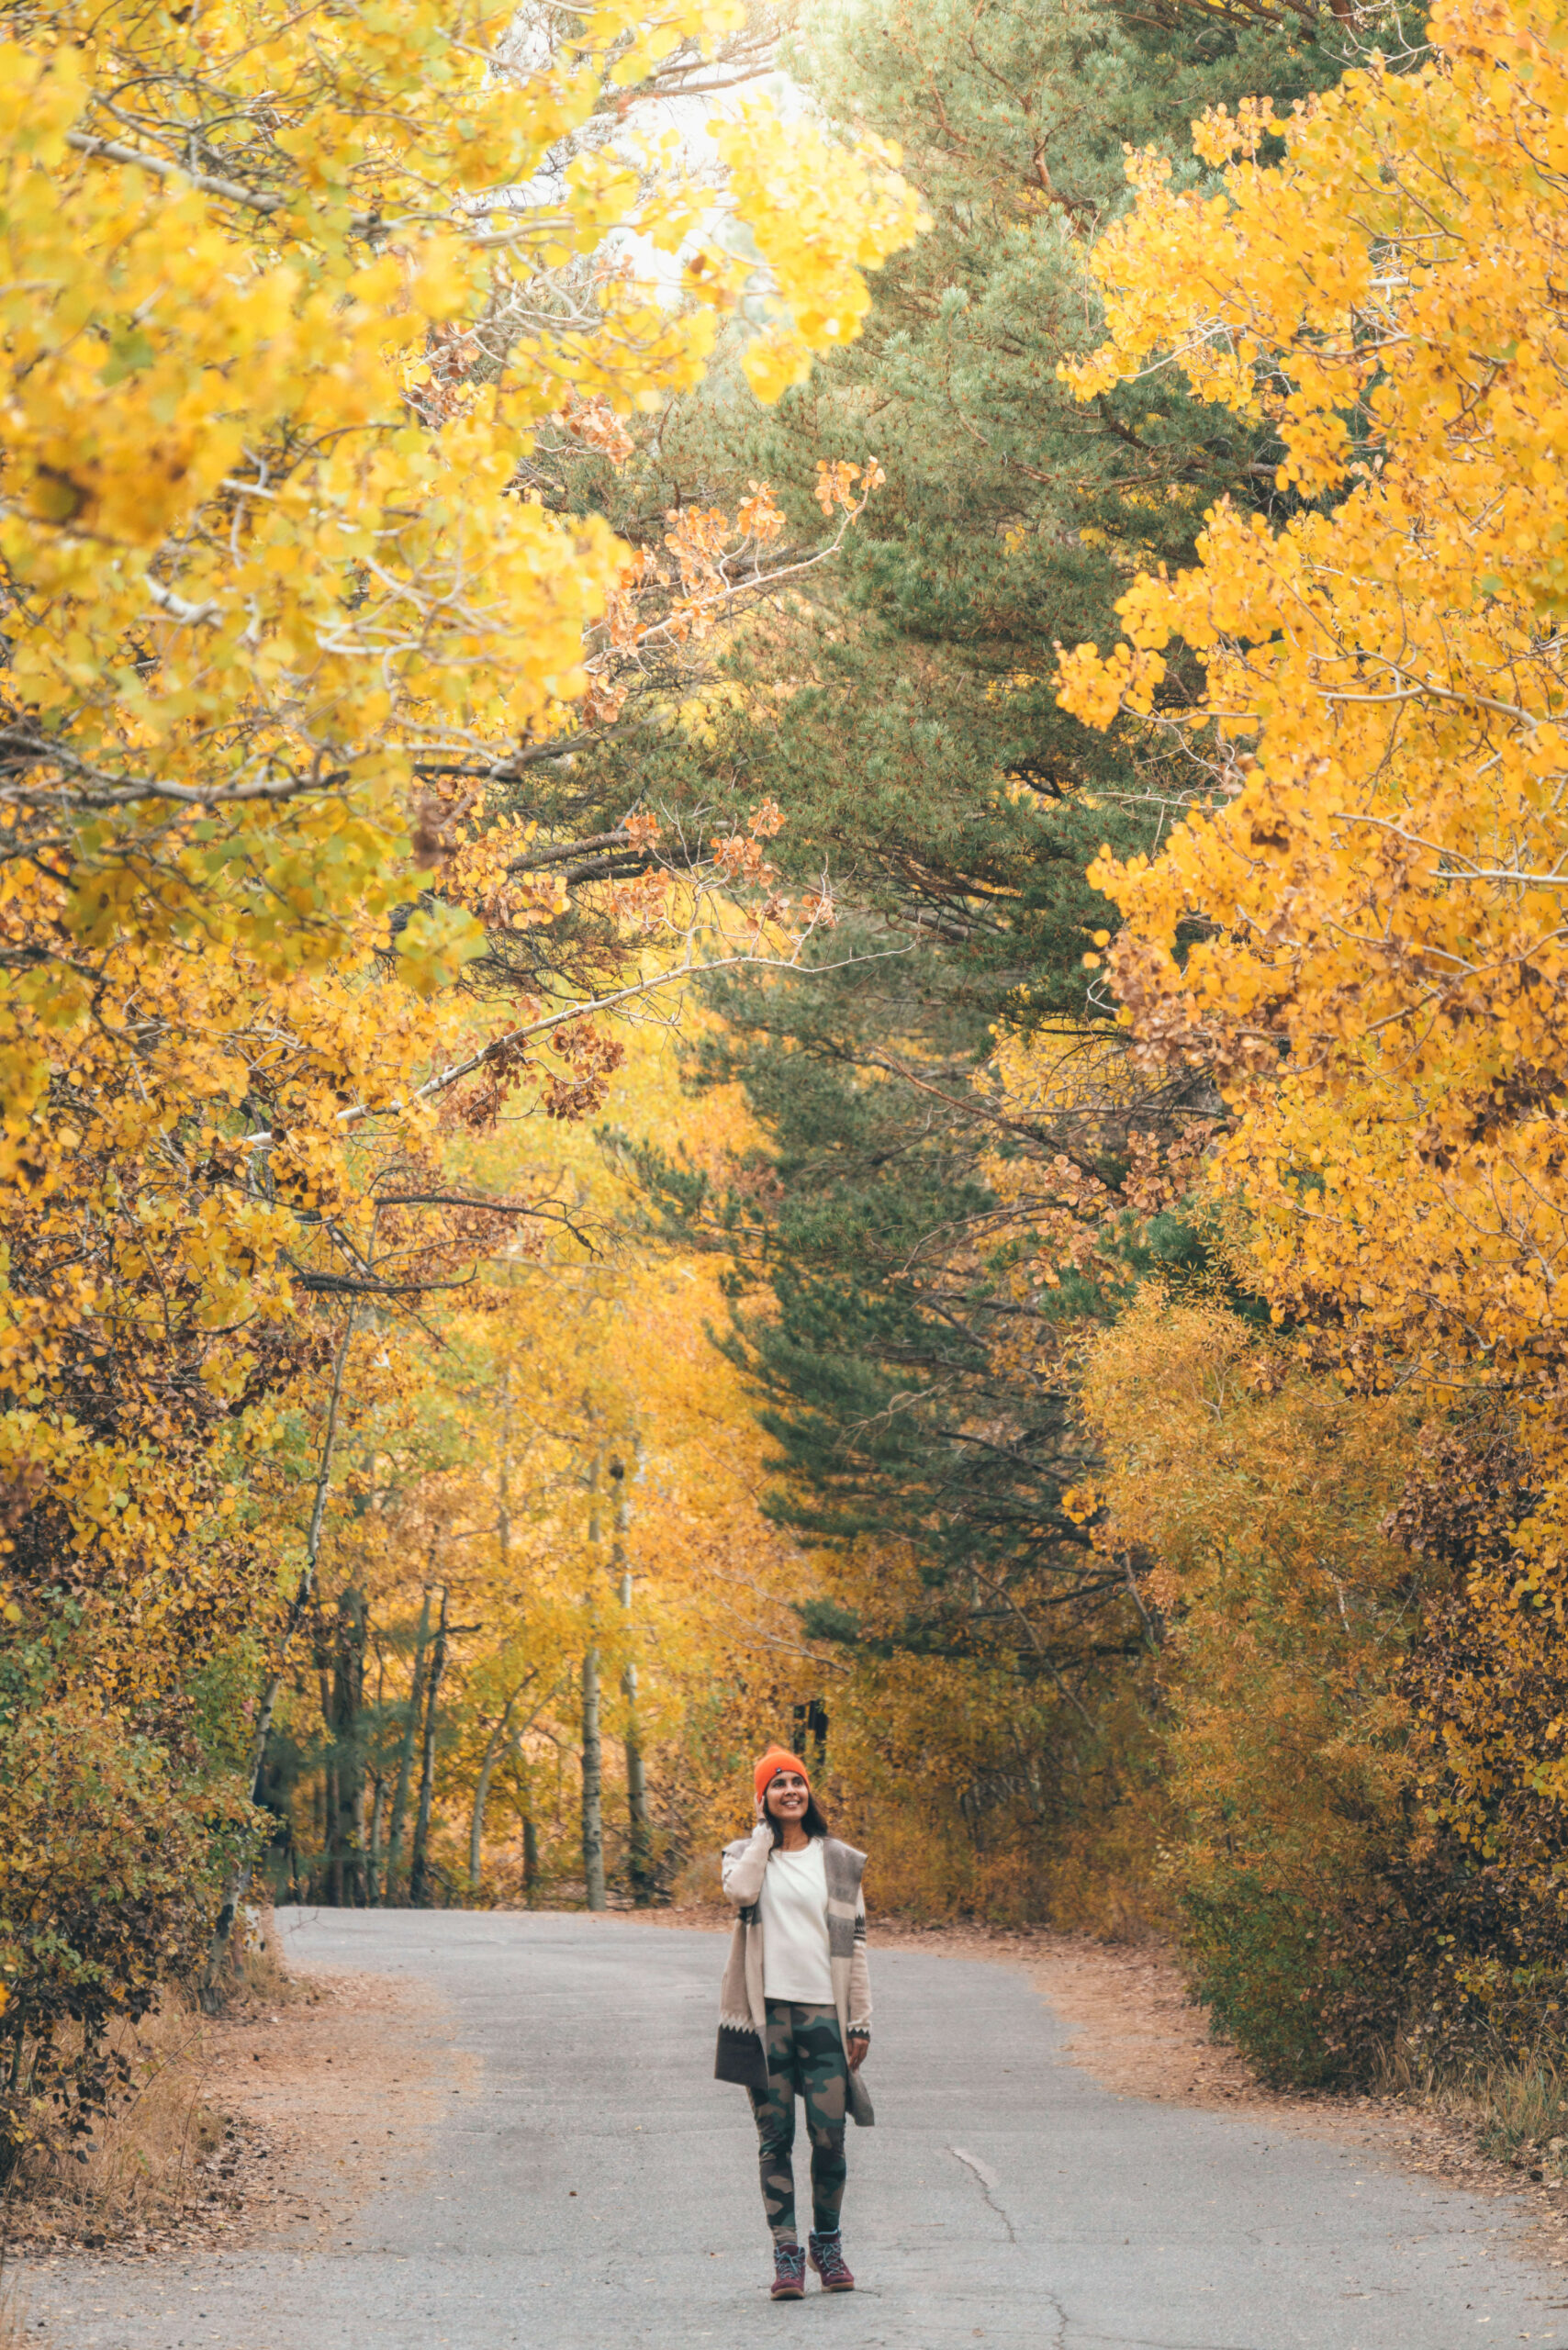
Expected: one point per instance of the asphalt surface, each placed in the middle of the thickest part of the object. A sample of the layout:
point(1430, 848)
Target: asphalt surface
point(597, 2189)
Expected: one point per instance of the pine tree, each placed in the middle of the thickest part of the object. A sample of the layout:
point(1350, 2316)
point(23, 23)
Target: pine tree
point(910, 1355)
point(900, 706)
point(908, 723)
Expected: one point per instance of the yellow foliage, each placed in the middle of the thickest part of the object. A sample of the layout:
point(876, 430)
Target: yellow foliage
point(259, 568)
point(572, 1426)
point(286, 301)
point(1370, 896)
point(821, 215)
point(1380, 984)
point(1253, 1498)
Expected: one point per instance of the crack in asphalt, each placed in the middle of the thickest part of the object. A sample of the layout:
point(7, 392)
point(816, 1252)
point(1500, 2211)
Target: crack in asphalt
point(1146, 2341)
point(989, 2186)
point(991, 2190)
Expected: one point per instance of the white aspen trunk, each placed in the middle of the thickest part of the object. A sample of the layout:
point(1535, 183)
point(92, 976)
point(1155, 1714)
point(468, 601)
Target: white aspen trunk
point(640, 1846)
point(593, 1749)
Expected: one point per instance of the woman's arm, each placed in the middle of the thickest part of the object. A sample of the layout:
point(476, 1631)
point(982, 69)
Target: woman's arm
point(743, 1866)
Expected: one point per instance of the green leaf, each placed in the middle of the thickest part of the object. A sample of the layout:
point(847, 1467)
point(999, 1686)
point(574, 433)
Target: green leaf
point(434, 944)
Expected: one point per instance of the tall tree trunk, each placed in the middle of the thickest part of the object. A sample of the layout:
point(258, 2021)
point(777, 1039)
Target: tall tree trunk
point(639, 1844)
point(593, 1774)
point(332, 1850)
point(319, 1823)
point(377, 1823)
point(593, 1751)
point(406, 1758)
point(522, 1805)
point(325, 1801)
point(419, 1868)
point(477, 1824)
point(377, 1777)
point(640, 1849)
point(503, 1538)
point(347, 1815)
point(298, 1608)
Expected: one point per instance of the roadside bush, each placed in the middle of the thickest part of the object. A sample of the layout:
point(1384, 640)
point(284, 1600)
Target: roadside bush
point(1348, 1654)
point(136, 2169)
point(1250, 1497)
point(1255, 1955)
point(109, 1861)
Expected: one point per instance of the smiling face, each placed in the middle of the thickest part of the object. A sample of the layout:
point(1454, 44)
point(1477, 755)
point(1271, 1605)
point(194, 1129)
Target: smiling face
point(788, 1796)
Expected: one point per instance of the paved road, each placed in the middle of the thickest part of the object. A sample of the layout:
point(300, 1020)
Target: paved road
point(1002, 2199)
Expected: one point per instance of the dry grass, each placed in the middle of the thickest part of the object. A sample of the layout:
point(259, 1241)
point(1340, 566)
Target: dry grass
point(162, 2143)
point(259, 1975)
point(1517, 2107)
point(141, 2157)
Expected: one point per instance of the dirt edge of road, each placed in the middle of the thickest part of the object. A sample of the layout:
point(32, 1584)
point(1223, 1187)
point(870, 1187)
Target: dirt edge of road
point(322, 2096)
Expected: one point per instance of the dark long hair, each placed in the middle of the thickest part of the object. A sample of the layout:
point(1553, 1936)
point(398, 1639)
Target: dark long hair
point(812, 1820)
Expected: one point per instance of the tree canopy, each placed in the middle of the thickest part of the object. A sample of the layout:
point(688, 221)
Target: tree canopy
point(779, 956)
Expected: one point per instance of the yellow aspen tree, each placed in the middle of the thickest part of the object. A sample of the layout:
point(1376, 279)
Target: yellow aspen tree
point(285, 301)
point(1359, 925)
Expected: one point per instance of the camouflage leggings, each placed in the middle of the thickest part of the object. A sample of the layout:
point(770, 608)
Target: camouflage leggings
point(805, 2055)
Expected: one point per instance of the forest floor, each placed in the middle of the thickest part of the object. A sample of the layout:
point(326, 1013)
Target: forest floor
point(283, 2112)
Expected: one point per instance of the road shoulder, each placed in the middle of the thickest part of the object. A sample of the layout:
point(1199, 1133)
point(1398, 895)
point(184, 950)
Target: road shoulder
point(300, 2107)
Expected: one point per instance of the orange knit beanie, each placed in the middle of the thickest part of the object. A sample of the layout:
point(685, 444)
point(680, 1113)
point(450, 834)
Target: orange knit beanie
point(772, 1762)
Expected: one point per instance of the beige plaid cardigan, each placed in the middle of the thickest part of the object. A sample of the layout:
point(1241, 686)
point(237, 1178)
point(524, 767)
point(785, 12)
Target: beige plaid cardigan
point(742, 2012)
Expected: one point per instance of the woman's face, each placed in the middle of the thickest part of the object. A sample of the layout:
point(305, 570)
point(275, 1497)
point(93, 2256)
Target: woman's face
point(788, 1796)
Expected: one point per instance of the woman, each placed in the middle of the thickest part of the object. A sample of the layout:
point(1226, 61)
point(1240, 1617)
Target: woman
point(795, 2011)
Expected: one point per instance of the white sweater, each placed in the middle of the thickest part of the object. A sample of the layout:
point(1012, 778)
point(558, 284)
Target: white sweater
point(794, 1927)
point(743, 1868)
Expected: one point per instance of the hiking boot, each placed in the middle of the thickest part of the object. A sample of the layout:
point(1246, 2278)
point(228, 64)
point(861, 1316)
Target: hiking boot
point(790, 2273)
point(827, 2260)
